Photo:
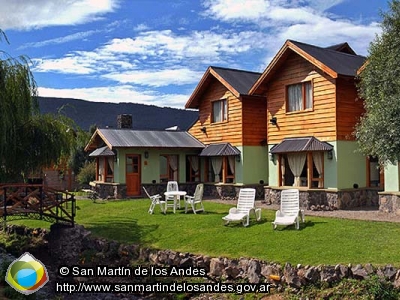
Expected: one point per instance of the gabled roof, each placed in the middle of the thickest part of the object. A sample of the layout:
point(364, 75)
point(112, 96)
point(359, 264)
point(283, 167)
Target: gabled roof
point(238, 82)
point(103, 151)
point(223, 149)
point(129, 138)
point(342, 47)
point(334, 63)
point(302, 144)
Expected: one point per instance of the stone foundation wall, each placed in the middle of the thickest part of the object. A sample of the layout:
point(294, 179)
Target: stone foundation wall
point(69, 246)
point(389, 203)
point(342, 199)
point(107, 190)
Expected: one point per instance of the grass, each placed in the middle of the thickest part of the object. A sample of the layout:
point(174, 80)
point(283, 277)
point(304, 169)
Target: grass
point(319, 241)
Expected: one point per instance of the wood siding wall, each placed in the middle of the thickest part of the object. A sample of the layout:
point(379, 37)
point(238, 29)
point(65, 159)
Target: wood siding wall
point(229, 131)
point(349, 108)
point(246, 123)
point(254, 121)
point(320, 121)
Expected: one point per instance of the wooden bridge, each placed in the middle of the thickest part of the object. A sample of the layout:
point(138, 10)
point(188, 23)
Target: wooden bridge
point(36, 201)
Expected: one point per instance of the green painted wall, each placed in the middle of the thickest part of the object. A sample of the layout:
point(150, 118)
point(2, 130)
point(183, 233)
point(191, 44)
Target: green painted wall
point(342, 171)
point(253, 165)
point(150, 167)
point(392, 178)
point(351, 165)
point(273, 169)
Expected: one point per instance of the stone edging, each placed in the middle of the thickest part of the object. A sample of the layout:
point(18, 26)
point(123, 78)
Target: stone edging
point(68, 243)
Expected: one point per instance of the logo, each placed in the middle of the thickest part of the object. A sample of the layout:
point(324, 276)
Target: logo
point(27, 274)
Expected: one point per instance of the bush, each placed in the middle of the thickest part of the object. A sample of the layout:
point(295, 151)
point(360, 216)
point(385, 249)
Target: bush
point(87, 173)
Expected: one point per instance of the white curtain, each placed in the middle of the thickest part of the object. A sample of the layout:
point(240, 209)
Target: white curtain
point(194, 163)
point(173, 163)
point(231, 162)
point(283, 169)
point(318, 158)
point(217, 165)
point(101, 168)
point(309, 95)
point(295, 97)
point(111, 164)
point(296, 163)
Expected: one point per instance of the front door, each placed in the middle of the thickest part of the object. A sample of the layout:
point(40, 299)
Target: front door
point(133, 174)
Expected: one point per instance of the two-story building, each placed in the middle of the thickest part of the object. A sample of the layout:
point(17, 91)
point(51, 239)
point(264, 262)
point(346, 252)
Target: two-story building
point(291, 125)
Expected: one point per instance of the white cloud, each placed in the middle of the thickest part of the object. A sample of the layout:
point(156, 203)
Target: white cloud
point(118, 94)
point(157, 78)
point(27, 15)
point(60, 40)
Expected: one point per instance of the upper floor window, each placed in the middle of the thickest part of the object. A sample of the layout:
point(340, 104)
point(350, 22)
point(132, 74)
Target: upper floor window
point(299, 96)
point(219, 111)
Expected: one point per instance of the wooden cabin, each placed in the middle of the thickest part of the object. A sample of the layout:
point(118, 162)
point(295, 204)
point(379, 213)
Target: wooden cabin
point(232, 125)
point(312, 110)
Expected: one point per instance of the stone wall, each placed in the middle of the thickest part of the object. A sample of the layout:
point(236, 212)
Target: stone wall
point(328, 199)
point(389, 203)
point(211, 190)
point(107, 190)
point(69, 246)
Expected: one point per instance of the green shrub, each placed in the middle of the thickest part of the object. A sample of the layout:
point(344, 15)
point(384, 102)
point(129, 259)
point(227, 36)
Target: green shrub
point(87, 173)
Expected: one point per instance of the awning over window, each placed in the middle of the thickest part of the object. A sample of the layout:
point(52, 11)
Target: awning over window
point(304, 144)
point(224, 149)
point(103, 151)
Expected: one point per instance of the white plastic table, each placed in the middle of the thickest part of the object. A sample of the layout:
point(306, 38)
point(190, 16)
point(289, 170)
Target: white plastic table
point(177, 197)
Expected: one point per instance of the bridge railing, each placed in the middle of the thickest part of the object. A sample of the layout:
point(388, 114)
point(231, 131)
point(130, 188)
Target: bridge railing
point(38, 202)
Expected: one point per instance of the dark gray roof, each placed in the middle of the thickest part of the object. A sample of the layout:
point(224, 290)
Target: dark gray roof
point(149, 138)
point(240, 80)
point(224, 149)
point(103, 151)
point(342, 47)
point(303, 144)
point(340, 62)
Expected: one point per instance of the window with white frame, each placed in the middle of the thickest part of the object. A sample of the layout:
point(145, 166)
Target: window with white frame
point(299, 96)
point(219, 111)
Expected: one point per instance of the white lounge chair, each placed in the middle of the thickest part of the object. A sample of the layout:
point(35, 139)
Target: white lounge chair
point(290, 212)
point(155, 199)
point(196, 199)
point(245, 206)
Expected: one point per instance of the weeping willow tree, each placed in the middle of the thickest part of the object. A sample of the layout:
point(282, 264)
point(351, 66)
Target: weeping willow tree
point(28, 140)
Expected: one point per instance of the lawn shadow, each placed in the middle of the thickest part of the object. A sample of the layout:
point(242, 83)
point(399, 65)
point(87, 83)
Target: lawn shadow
point(123, 230)
point(305, 225)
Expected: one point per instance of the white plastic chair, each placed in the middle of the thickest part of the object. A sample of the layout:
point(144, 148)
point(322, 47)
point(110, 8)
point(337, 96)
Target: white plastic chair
point(289, 212)
point(245, 206)
point(196, 199)
point(172, 186)
point(155, 199)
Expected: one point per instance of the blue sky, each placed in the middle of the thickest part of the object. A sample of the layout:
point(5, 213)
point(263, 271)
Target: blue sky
point(156, 51)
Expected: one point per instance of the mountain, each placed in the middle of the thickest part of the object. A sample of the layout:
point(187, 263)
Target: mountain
point(101, 114)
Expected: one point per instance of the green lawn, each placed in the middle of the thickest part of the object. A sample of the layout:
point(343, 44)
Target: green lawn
point(319, 240)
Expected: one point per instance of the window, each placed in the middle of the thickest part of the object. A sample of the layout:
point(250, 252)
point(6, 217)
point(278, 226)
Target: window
point(219, 111)
point(192, 168)
point(299, 97)
point(221, 169)
point(105, 169)
point(375, 173)
point(169, 168)
point(302, 169)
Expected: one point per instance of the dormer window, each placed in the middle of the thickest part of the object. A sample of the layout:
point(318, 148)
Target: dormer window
point(219, 111)
point(299, 97)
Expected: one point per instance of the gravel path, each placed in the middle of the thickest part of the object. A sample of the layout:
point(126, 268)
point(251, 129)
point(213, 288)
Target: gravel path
point(361, 213)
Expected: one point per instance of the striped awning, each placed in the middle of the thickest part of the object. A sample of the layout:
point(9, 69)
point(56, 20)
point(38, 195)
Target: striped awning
point(223, 149)
point(103, 151)
point(303, 144)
